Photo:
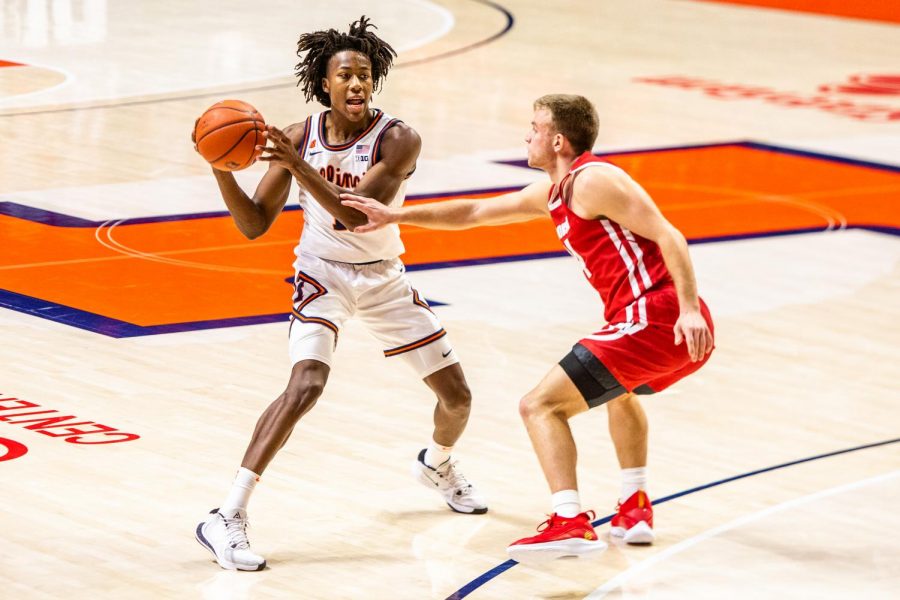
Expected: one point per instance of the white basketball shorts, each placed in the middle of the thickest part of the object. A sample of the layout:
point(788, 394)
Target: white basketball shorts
point(327, 293)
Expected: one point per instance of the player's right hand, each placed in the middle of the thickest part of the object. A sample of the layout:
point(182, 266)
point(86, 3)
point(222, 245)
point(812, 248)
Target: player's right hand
point(378, 214)
point(692, 329)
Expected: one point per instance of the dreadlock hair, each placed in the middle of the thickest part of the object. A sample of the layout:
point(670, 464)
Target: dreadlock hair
point(320, 46)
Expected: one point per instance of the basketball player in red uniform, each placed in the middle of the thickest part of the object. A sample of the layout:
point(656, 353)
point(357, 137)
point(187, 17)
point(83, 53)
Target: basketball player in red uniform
point(658, 329)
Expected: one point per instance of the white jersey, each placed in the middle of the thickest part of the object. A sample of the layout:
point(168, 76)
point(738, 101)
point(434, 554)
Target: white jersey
point(344, 165)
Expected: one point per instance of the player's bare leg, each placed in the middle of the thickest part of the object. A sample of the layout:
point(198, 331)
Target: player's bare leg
point(546, 411)
point(454, 402)
point(433, 467)
point(629, 431)
point(224, 533)
point(308, 378)
point(628, 428)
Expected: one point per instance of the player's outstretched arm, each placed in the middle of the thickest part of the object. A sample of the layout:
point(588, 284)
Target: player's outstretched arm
point(253, 216)
point(610, 192)
point(524, 205)
point(400, 148)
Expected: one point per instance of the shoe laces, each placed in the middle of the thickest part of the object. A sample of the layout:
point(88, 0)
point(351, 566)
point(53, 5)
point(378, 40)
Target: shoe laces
point(236, 531)
point(554, 519)
point(455, 478)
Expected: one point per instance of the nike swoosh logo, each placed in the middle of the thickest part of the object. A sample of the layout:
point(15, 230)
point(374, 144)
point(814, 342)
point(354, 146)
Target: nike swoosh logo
point(317, 152)
point(447, 353)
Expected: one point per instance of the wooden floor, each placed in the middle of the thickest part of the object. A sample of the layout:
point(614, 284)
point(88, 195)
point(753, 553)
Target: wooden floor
point(131, 305)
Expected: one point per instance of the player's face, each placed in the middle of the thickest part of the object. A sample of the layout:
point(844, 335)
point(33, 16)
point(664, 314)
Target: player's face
point(540, 139)
point(348, 83)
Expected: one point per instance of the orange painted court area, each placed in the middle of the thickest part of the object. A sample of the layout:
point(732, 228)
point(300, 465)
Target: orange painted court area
point(203, 269)
point(871, 10)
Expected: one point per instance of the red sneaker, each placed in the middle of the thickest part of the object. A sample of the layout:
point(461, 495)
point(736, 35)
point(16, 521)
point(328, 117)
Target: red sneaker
point(558, 537)
point(634, 520)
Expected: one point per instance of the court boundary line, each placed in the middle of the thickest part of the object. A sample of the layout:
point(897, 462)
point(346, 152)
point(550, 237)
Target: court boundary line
point(505, 566)
point(56, 219)
point(116, 328)
point(510, 21)
point(617, 581)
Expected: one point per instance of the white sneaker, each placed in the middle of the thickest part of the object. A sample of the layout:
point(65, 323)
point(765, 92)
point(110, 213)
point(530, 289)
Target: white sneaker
point(458, 493)
point(225, 535)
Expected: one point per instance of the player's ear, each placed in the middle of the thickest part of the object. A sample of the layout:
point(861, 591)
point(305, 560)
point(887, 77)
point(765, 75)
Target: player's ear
point(558, 141)
point(325, 85)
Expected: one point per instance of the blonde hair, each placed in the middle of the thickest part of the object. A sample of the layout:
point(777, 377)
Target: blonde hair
point(574, 117)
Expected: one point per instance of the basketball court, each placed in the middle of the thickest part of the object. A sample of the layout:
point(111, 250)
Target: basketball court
point(142, 334)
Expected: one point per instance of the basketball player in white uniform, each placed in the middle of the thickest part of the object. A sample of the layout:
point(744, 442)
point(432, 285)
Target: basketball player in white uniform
point(340, 274)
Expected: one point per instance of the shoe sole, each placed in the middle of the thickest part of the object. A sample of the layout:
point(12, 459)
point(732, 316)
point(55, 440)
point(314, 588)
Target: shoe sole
point(535, 554)
point(469, 510)
point(639, 535)
point(463, 510)
point(230, 566)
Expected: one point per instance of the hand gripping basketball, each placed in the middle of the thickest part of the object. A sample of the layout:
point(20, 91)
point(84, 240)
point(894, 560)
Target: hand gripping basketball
point(281, 150)
point(227, 135)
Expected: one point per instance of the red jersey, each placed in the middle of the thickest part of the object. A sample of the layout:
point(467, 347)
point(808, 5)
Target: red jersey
point(619, 264)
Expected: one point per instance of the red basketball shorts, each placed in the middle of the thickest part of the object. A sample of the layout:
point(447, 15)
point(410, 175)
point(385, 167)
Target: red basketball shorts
point(638, 344)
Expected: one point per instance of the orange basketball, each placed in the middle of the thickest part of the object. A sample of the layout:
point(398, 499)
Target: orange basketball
point(227, 135)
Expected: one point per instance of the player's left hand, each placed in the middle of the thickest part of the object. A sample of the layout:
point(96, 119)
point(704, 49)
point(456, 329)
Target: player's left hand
point(378, 214)
point(691, 327)
point(281, 151)
point(194, 135)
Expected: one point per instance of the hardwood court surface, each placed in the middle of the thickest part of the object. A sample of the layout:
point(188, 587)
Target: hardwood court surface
point(131, 304)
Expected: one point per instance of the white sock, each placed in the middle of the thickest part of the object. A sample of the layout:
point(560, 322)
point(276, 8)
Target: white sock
point(243, 485)
point(566, 503)
point(632, 481)
point(436, 455)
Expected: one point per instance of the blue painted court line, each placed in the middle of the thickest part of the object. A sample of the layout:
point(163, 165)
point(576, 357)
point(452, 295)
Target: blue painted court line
point(821, 156)
point(47, 217)
point(510, 21)
point(742, 144)
point(55, 219)
point(506, 566)
point(121, 329)
point(523, 162)
point(116, 328)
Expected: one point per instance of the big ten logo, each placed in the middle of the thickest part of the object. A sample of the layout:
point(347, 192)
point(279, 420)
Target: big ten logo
point(10, 449)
